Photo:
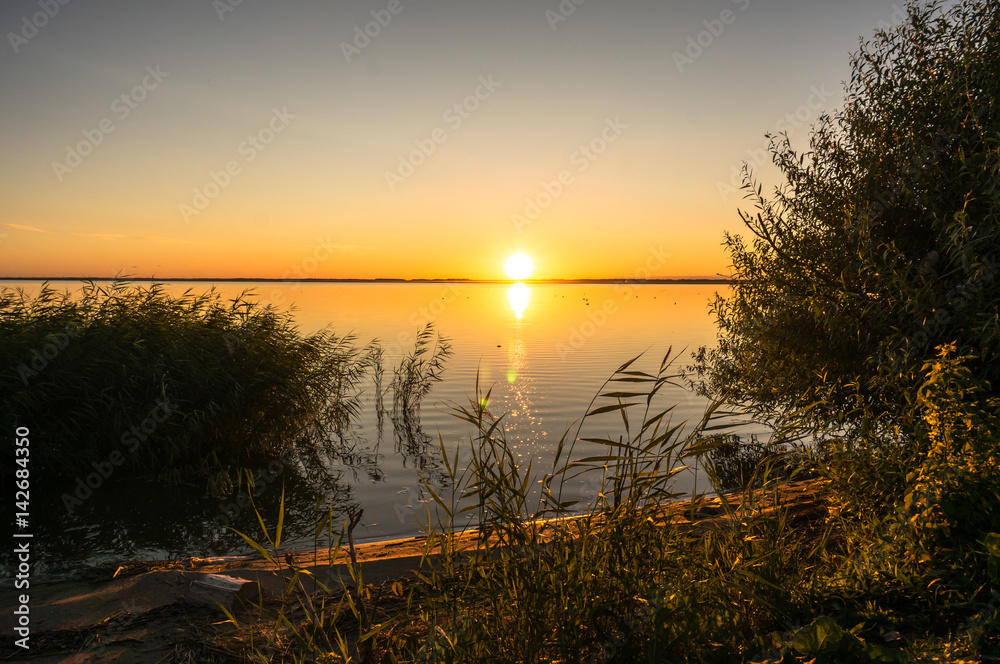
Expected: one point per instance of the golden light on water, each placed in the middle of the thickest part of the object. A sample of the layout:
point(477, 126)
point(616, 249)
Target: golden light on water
point(519, 297)
point(519, 266)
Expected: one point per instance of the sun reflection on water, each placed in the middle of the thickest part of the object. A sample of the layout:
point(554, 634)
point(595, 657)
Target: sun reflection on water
point(519, 297)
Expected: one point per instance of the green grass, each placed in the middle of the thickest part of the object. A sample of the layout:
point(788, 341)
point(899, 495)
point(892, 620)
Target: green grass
point(753, 580)
point(898, 559)
point(620, 583)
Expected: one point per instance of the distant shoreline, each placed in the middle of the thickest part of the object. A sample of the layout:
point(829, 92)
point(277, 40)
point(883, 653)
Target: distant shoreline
point(705, 281)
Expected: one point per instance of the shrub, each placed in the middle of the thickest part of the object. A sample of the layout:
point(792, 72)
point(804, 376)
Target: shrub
point(884, 239)
point(953, 497)
point(185, 385)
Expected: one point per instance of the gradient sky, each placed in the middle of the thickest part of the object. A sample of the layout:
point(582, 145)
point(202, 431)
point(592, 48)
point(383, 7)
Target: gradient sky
point(119, 119)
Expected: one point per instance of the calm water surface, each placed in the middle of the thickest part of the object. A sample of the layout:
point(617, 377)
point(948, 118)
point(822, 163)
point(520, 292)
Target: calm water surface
point(544, 350)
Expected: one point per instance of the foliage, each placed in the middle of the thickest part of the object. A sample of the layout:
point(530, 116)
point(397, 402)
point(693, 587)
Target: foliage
point(132, 376)
point(953, 497)
point(884, 240)
point(823, 641)
point(867, 472)
point(735, 462)
point(923, 553)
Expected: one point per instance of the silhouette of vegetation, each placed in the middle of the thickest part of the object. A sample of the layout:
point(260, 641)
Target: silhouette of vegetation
point(864, 319)
point(185, 386)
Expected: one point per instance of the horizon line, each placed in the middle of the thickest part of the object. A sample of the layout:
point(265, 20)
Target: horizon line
point(609, 280)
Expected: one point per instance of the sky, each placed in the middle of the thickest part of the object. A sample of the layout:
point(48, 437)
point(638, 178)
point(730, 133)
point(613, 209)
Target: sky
point(401, 138)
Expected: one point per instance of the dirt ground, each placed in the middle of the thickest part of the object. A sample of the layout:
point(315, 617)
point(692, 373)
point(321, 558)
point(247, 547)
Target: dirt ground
point(140, 612)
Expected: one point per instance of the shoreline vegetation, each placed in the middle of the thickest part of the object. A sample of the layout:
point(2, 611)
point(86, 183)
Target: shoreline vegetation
point(140, 382)
point(640, 575)
point(862, 326)
point(128, 380)
point(160, 604)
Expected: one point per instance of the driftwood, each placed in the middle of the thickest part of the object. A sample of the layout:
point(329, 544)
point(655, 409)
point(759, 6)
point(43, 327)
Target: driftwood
point(225, 590)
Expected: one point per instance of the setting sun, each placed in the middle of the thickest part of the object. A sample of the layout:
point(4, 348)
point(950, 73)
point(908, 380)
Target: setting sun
point(519, 266)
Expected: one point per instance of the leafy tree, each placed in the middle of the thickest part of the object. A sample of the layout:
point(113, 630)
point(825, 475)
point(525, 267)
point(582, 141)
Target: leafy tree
point(884, 240)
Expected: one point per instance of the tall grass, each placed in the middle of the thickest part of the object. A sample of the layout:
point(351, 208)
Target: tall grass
point(188, 385)
point(624, 582)
point(740, 578)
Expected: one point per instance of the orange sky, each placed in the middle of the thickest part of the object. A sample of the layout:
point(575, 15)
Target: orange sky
point(271, 141)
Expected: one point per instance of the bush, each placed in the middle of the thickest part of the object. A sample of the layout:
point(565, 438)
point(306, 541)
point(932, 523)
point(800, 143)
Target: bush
point(953, 497)
point(157, 384)
point(884, 240)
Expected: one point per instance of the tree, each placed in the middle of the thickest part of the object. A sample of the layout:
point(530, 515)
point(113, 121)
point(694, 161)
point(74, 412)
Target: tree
point(884, 240)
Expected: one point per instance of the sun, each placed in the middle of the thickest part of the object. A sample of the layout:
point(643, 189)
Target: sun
point(519, 266)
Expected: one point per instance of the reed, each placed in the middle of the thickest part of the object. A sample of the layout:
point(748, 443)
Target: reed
point(185, 386)
point(745, 579)
point(902, 569)
point(619, 582)
point(413, 379)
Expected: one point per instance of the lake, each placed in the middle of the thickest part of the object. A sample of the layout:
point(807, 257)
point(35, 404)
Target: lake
point(543, 349)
